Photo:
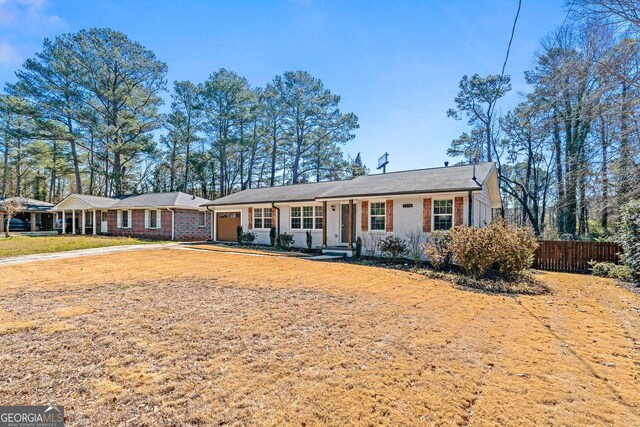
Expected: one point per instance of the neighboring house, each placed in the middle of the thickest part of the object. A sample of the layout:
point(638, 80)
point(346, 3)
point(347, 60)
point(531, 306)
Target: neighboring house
point(167, 216)
point(370, 207)
point(36, 215)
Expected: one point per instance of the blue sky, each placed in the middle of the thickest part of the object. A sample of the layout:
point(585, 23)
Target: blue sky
point(396, 64)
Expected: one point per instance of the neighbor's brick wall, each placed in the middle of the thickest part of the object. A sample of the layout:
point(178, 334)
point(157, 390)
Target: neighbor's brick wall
point(187, 228)
point(137, 226)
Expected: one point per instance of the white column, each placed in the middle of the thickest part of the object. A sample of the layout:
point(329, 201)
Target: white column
point(84, 220)
point(64, 224)
point(94, 222)
point(73, 221)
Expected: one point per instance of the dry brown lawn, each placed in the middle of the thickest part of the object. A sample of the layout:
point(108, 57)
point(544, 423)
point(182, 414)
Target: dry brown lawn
point(175, 337)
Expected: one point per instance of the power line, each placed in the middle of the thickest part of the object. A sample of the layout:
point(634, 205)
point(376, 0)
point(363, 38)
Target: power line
point(513, 30)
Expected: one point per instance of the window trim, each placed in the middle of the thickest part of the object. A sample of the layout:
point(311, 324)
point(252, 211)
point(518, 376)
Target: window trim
point(129, 218)
point(147, 219)
point(261, 218)
point(205, 219)
point(433, 212)
point(314, 217)
point(384, 216)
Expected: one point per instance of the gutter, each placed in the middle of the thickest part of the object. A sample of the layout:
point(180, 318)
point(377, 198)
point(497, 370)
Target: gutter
point(212, 220)
point(173, 224)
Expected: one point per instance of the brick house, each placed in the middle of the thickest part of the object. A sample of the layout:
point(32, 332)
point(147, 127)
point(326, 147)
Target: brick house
point(164, 216)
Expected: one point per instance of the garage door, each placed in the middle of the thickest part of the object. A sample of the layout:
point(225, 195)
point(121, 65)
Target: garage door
point(227, 225)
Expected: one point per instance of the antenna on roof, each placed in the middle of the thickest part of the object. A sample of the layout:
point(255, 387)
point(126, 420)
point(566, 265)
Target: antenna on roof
point(383, 161)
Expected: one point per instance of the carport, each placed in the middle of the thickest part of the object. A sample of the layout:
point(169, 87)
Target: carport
point(34, 212)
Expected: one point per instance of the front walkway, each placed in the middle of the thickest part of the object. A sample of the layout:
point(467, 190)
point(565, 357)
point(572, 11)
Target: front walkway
point(83, 252)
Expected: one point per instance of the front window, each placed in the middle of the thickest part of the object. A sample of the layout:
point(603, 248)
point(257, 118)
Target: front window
point(125, 219)
point(202, 219)
point(377, 214)
point(442, 214)
point(306, 217)
point(262, 218)
point(153, 219)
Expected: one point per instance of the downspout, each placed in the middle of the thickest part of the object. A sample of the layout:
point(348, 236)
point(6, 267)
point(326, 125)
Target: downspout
point(173, 224)
point(212, 219)
point(273, 205)
point(470, 208)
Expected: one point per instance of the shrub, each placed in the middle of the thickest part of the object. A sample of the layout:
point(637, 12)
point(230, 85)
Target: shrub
point(358, 246)
point(249, 237)
point(394, 246)
point(609, 269)
point(309, 240)
point(515, 247)
point(438, 249)
point(371, 243)
point(415, 243)
point(473, 249)
point(630, 238)
point(285, 240)
point(273, 236)
point(239, 233)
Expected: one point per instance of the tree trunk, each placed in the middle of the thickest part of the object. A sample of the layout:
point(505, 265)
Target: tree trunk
point(74, 156)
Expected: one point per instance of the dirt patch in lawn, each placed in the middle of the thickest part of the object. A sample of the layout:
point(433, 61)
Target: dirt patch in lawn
point(193, 337)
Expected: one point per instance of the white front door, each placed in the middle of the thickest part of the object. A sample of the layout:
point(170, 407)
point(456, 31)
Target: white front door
point(103, 222)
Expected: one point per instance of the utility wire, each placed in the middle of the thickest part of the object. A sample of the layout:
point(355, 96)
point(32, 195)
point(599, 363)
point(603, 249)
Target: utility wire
point(513, 30)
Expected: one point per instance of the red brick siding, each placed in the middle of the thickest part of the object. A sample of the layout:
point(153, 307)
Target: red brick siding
point(458, 208)
point(187, 228)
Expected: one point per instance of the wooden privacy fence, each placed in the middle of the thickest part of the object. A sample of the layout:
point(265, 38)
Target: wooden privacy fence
point(574, 256)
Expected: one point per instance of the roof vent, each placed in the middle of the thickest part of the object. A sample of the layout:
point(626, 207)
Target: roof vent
point(193, 197)
point(446, 164)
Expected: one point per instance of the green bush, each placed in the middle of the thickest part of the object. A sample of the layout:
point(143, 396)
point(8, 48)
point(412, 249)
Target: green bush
point(239, 233)
point(309, 240)
point(285, 240)
point(273, 236)
point(609, 269)
point(630, 238)
point(515, 247)
point(249, 237)
point(473, 249)
point(358, 246)
point(438, 250)
point(393, 246)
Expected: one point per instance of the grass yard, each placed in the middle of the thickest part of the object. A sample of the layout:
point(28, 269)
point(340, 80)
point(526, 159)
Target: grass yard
point(26, 245)
point(183, 336)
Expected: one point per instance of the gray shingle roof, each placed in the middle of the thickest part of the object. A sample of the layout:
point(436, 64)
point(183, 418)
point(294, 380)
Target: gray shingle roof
point(442, 179)
point(175, 199)
point(30, 205)
point(96, 201)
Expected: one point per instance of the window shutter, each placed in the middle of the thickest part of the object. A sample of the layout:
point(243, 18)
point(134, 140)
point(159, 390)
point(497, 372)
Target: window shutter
point(119, 218)
point(159, 218)
point(457, 211)
point(274, 213)
point(364, 226)
point(250, 225)
point(426, 215)
point(389, 218)
point(147, 218)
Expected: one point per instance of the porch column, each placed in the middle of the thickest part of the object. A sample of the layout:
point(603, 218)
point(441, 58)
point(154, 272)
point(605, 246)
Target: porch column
point(324, 224)
point(350, 222)
point(84, 220)
point(73, 221)
point(94, 223)
point(64, 224)
point(33, 221)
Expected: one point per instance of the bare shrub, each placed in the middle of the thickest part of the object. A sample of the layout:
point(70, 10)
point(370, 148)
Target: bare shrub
point(371, 243)
point(10, 207)
point(438, 249)
point(514, 246)
point(473, 249)
point(415, 242)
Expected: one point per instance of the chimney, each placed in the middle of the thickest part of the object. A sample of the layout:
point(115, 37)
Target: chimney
point(446, 164)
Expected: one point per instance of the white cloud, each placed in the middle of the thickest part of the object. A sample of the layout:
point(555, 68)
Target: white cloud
point(9, 55)
point(30, 16)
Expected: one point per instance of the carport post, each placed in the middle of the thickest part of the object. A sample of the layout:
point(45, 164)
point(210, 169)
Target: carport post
point(94, 222)
point(33, 221)
point(73, 221)
point(64, 224)
point(84, 220)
